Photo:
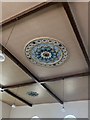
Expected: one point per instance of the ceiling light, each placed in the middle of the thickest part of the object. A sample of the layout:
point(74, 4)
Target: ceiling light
point(63, 109)
point(2, 57)
point(1, 90)
point(13, 106)
point(35, 117)
point(70, 116)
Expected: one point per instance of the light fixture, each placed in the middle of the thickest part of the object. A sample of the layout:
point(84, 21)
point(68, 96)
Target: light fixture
point(63, 108)
point(35, 117)
point(13, 106)
point(2, 57)
point(1, 90)
point(70, 116)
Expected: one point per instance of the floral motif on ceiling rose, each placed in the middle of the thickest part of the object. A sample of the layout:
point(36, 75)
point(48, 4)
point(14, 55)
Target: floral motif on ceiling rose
point(46, 52)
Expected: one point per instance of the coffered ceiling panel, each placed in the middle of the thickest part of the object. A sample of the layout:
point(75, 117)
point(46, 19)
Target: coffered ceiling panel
point(67, 90)
point(72, 89)
point(80, 11)
point(42, 97)
point(50, 22)
point(10, 9)
point(9, 99)
point(11, 74)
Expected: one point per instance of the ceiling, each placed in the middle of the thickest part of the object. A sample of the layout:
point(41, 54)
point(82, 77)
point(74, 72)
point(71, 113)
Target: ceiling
point(10, 9)
point(50, 22)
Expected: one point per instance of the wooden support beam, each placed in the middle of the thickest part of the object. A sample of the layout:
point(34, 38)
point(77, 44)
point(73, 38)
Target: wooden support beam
point(47, 88)
point(70, 76)
point(17, 97)
point(18, 85)
point(76, 31)
point(27, 12)
point(49, 80)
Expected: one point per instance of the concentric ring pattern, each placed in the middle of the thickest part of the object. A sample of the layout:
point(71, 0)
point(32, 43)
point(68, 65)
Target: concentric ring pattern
point(46, 52)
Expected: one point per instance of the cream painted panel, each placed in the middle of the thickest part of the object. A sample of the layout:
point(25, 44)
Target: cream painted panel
point(50, 22)
point(11, 74)
point(9, 99)
point(80, 11)
point(43, 97)
point(5, 110)
point(72, 89)
point(10, 9)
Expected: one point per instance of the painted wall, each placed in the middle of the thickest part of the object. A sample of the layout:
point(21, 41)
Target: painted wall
point(4, 110)
point(0, 110)
point(79, 109)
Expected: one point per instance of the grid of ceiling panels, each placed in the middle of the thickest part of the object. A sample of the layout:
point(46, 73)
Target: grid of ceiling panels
point(52, 22)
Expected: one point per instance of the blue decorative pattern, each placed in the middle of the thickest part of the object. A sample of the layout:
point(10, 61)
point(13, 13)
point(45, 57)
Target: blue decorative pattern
point(32, 93)
point(46, 52)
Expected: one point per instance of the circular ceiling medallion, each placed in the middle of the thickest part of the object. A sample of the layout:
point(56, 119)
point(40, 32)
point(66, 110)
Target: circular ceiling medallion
point(32, 93)
point(46, 52)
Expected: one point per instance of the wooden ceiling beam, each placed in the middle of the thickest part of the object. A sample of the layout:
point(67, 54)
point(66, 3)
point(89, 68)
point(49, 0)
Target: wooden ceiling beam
point(27, 12)
point(48, 80)
point(70, 76)
point(70, 17)
point(76, 30)
point(19, 64)
point(52, 93)
point(17, 97)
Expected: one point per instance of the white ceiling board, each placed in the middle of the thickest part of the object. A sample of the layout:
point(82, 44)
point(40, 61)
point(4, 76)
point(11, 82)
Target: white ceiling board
point(50, 22)
point(11, 74)
point(80, 12)
point(43, 97)
point(0, 11)
point(72, 89)
point(67, 90)
point(10, 9)
point(5, 97)
point(7, 34)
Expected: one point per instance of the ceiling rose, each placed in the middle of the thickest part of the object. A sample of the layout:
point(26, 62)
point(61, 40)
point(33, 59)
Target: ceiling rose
point(32, 93)
point(46, 52)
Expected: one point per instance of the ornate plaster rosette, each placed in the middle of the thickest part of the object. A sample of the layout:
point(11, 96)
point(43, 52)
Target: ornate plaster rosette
point(46, 52)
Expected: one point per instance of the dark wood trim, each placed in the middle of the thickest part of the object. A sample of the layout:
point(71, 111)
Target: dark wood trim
point(18, 85)
point(49, 80)
point(52, 93)
point(17, 97)
point(76, 31)
point(16, 61)
point(27, 13)
point(70, 76)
